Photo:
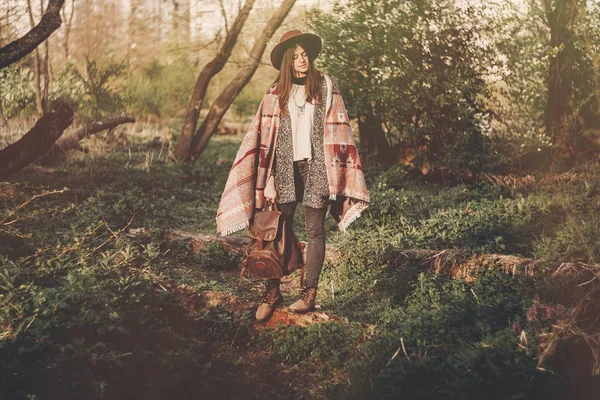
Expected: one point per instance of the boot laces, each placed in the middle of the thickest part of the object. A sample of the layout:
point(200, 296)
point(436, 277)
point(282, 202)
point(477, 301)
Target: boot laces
point(304, 294)
point(267, 296)
point(270, 292)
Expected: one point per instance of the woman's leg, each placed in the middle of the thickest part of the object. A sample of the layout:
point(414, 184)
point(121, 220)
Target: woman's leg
point(314, 222)
point(314, 219)
point(315, 231)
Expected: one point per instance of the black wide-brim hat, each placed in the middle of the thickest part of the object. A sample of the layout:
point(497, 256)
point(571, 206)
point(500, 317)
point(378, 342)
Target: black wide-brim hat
point(311, 42)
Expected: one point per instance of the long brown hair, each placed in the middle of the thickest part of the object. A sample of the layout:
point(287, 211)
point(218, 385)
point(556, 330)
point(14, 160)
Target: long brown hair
point(286, 73)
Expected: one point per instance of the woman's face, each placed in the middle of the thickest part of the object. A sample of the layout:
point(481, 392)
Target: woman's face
point(300, 62)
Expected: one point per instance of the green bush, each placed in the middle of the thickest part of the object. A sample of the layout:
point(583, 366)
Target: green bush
point(83, 312)
point(462, 342)
point(477, 217)
point(331, 343)
point(418, 69)
point(430, 337)
point(91, 91)
point(573, 236)
point(246, 104)
point(18, 96)
point(161, 90)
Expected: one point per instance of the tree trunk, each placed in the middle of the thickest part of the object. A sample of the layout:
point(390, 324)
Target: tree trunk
point(175, 21)
point(157, 20)
point(19, 48)
point(3, 120)
point(220, 106)
point(592, 119)
point(560, 19)
point(181, 21)
point(45, 67)
point(46, 74)
point(37, 86)
point(373, 141)
point(182, 150)
point(71, 141)
point(184, 31)
point(131, 32)
point(37, 141)
point(68, 25)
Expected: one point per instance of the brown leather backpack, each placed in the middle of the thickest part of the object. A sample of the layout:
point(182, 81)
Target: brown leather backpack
point(275, 250)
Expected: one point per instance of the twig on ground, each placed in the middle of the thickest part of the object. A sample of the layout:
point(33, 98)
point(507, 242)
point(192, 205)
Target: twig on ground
point(115, 235)
point(31, 322)
point(394, 356)
point(404, 348)
point(234, 337)
point(585, 283)
point(3, 221)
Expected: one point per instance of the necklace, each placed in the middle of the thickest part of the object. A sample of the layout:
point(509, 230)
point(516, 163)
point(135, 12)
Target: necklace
point(299, 108)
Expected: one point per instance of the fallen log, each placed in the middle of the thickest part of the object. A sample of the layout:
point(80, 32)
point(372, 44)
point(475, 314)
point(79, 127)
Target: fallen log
point(237, 244)
point(37, 141)
point(443, 174)
point(71, 140)
point(457, 263)
point(464, 264)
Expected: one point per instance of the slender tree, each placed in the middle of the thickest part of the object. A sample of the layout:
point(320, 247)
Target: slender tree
point(561, 17)
point(45, 67)
point(68, 24)
point(226, 98)
point(37, 85)
point(132, 31)
point(208, 72)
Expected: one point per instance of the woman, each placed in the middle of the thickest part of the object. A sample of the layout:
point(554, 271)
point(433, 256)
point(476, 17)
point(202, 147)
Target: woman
point(299, 148)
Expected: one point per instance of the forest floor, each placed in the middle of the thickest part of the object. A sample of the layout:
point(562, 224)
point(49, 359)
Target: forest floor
point(440, 290)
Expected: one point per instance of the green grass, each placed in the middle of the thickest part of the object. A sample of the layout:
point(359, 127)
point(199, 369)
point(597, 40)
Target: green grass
point(84, 315)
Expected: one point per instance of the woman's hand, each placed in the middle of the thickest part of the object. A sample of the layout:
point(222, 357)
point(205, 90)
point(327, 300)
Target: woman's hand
point(270, 191)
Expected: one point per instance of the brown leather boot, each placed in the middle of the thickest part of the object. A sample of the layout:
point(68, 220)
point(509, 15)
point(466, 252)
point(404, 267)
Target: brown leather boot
point(271, 299)
point(306, 302)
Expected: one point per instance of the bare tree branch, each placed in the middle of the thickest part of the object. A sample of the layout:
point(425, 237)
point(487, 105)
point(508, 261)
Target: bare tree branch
point(210, 69)
point(222, 103)
point(19, 48)
point(224, 16)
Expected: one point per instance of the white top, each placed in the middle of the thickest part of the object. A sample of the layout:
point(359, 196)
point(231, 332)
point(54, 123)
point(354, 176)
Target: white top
point(301, 116)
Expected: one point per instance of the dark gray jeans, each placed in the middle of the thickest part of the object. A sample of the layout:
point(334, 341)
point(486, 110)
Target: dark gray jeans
point(314, 219)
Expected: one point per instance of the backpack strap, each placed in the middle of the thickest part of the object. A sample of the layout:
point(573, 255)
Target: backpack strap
point(259, 241)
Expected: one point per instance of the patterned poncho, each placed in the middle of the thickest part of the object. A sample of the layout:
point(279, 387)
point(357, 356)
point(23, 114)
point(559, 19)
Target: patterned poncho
point(244, 190)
